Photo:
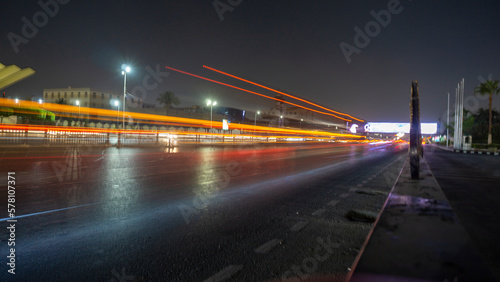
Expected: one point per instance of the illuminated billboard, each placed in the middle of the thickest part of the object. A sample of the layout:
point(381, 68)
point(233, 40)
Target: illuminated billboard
point(394, 127)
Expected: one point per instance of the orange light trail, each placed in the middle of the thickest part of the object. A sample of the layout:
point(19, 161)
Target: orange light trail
point(291, 96)
point(104, 114)
point(255, 93)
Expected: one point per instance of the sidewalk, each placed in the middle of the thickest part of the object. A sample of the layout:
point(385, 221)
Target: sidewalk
point(418, 237)
point(466, 151)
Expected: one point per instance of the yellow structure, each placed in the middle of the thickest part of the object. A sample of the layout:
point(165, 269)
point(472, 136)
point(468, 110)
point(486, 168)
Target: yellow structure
point(12, 74)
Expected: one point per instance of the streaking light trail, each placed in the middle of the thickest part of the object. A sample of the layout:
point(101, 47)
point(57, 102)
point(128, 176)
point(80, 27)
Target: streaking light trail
point(282, 93)
point(255, 93)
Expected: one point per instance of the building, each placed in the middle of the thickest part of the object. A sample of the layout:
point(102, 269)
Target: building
point(89, 97)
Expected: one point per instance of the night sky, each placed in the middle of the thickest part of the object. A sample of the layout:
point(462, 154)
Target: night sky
point(291, 45)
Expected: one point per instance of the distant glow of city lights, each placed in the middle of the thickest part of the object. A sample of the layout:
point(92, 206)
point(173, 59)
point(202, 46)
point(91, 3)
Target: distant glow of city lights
point(391, 127)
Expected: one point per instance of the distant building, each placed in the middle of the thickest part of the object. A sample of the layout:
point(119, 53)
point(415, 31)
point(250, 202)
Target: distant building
point(89, 97)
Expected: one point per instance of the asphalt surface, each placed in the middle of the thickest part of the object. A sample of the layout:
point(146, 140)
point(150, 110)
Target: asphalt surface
point(239, 213)
point(472, 185)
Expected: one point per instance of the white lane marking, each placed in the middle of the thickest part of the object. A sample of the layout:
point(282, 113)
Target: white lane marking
point(333, 203)
point(99, 159)
point(267, 246)
point(44, 212)
point(345, 195)
point(298, 226)
point(225, 273)
point(319, 212)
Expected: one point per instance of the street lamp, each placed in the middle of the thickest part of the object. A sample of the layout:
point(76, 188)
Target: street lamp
point(17, 101)
point(40, 101)
point(301, 120)
point(211, 104)
point(126, 69)
point(117, 110)
point(78, 104)
point(255, 121)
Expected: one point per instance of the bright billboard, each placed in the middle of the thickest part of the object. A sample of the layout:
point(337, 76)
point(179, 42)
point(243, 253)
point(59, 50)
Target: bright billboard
point(394, 127)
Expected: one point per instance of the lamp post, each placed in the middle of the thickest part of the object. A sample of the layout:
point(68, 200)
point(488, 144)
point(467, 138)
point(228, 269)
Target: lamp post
point(211, 104)
point(281, 121)
point(78, 104)
point(301, 120)
point(117, 104)
point(255, 121)
point(126, 69)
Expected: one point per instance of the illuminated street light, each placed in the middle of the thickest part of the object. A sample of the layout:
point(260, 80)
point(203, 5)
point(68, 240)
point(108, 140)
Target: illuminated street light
point(126, 69)
point(211, 104)
point(78, 104)
point(40, 101)
point(255, 121)
point(17, 101)
point(117, 104)
point(301, 120)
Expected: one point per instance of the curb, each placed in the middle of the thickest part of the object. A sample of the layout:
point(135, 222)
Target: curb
point(467, 151)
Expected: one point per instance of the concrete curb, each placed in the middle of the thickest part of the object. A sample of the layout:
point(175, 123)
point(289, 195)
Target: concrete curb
point(417, 236)
point(478, 152)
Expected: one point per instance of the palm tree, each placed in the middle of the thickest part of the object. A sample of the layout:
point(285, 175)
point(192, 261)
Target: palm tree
point(168, 98)
point(61, 101)
point(489, 87)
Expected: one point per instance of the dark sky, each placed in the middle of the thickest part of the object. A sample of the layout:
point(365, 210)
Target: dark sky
point(291, 45)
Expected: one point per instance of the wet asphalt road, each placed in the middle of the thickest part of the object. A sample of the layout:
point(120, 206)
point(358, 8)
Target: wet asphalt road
point(242, 213)
point(471, 183)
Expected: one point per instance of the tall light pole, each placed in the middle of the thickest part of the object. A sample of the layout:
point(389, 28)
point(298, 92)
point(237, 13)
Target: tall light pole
point(211, 104)
point(255, 121)
point(78, 104)
point(117, 104)
point(126, 69)
point(301, 120)
point(448, 120)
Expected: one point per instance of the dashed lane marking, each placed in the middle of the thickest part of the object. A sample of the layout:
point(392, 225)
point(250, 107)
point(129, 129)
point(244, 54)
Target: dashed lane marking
point(319, 212)
point(264, 249)
point(299, 226)
point(333, 203)
point(225, 273)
